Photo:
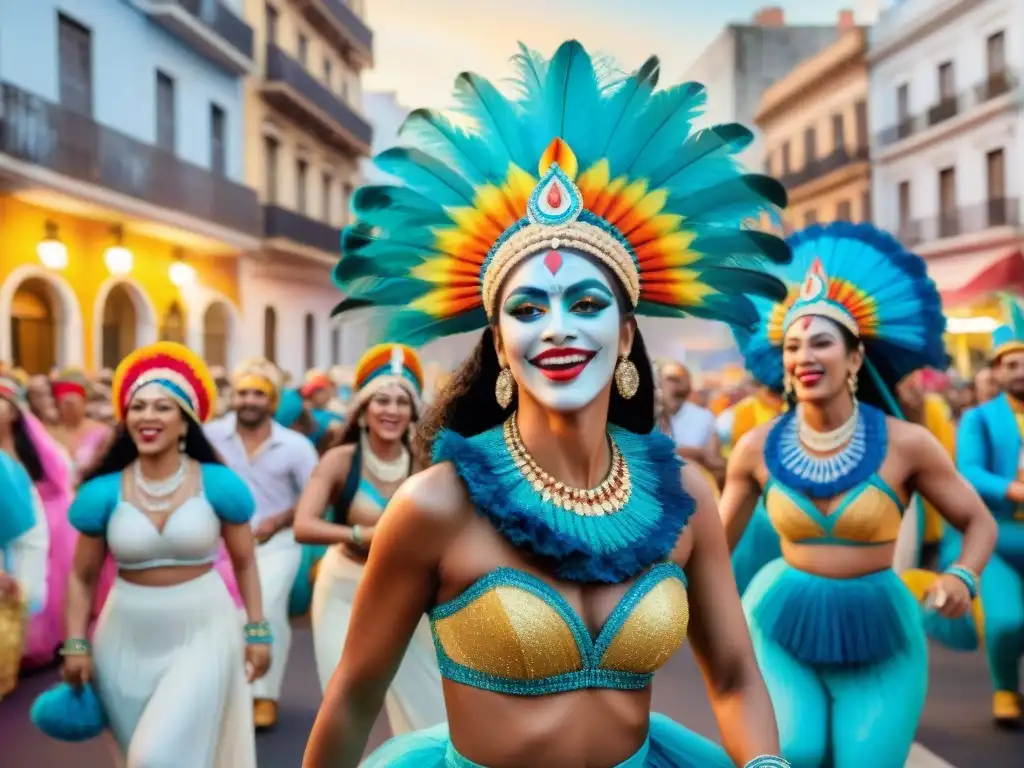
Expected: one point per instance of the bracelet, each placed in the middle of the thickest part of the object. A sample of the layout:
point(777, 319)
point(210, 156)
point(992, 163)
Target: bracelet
point(768, 761)
point(75, 646)
point(357, 536)
point(967, 576)
point(258, 633)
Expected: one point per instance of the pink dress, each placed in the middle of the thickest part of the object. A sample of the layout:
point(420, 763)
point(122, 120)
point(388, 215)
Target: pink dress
point(46, 628)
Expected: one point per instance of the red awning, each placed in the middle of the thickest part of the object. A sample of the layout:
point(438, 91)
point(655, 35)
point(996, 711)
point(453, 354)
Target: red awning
point(1002, 273)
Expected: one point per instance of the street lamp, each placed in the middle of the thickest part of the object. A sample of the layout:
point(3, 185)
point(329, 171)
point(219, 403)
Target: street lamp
point(51, 251)
point(119, 260)
point(182, 274)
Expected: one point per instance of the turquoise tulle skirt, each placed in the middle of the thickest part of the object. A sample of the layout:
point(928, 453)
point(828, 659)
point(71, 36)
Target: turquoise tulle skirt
point(668, 745)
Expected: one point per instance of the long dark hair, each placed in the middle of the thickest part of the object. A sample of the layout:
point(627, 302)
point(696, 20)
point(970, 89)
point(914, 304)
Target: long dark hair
point(25, 449)
point(467, 405)
point(121, 450)
point(867, 387)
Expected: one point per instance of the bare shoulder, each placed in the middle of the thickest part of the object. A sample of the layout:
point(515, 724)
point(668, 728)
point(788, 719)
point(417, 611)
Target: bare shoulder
point(435, 498)
point(696, 484)
point(750, 448)
point(338, 460)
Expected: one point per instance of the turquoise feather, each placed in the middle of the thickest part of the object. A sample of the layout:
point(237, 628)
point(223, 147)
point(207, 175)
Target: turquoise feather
point(494, 117)
point(1013, 330)
point(466, 153)
point(426, 175)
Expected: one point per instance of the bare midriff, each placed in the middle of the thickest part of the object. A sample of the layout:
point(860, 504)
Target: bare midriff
point(837, 561)
point(166, 575)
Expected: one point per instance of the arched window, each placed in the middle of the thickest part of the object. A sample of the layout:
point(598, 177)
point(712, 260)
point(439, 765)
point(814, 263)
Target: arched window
point(310, 341)
point(172, 328)
point(270, 334)
point(120, 326)
point(216, 329)
point(335, 345)
point(34, 327)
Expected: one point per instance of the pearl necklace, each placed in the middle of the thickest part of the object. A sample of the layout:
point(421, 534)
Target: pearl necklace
point(826, 442)
point(155, 494)
point(822, 469)
point(385, 470)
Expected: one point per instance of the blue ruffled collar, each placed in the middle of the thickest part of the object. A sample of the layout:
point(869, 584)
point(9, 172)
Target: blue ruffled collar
point(783, 455)
point(607, 548)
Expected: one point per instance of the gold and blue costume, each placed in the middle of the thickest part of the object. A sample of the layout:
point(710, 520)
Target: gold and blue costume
point(845, 660)
point(590, 160)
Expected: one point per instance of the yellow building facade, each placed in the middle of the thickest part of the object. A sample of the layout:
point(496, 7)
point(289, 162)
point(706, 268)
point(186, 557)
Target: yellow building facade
point(815, 126)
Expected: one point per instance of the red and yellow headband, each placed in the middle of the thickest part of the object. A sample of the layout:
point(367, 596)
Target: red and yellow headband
point(387, 364)
point(70, 381)
point(175, 369)
point(259, 374)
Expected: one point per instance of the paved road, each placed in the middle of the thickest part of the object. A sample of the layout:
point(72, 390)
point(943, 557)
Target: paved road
point(955, 731)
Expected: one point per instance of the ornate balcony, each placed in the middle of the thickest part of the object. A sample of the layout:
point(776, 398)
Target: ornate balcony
point(289, 88)
point(341, 24)
point(298, 228)
point(36, 131)
point(210, 27)
point(823, 166)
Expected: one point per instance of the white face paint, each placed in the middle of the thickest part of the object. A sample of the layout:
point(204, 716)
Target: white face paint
point(814, 357)
point(560, 326)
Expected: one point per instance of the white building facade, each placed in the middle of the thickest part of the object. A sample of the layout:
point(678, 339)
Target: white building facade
point(947, 125)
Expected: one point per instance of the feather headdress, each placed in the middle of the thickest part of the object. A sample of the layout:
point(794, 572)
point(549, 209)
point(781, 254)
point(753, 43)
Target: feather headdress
point(863, 279)
point(580, 159)
point(1009, 337)
point(386, 364)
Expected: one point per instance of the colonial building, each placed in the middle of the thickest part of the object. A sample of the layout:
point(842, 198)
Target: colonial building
point(305, 135)
point(122, 211)
point(947, 124)
point(815, 126)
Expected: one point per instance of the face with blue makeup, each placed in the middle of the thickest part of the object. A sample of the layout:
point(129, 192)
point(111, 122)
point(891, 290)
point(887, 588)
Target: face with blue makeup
point(561, 330)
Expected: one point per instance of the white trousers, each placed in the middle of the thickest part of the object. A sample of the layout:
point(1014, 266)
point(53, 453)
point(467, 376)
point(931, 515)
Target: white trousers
point(415, 700)
point(278, 561)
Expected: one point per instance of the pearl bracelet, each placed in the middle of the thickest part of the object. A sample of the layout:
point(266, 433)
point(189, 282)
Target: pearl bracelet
point(768, 761)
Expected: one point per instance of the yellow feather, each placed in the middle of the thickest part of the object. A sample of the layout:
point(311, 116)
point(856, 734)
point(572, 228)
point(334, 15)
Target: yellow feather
point(593, 180)
point(518, 187)
point(476, 223)
point(625, 201)
point(560, 152)
point(494, 203)
point(446, 271)
point(460, 245)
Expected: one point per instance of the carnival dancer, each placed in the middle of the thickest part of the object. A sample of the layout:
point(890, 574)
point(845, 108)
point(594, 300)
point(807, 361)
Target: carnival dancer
point(341, 507)
point(276, 463)
point(24, 542)
point(556, 220)
point(171, 654)
point(24, 438)
point(759, 544)
point(83, 437)
point(990, 455)
point(838, 636)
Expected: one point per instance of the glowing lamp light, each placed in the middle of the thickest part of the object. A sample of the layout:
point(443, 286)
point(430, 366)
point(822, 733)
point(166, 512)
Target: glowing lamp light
point(182, 274)
point(119, 260)
point(963, 325)
point(52, 253)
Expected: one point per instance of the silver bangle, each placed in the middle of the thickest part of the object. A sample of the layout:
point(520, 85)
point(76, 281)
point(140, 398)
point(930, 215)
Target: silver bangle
point(357, 536)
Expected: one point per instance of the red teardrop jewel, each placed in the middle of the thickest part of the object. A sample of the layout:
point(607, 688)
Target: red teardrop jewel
point(554, 196)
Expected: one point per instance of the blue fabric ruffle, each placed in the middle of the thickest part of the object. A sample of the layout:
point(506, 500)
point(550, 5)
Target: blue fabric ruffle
point(826, 621)
point(66, 713)
point(668, 745)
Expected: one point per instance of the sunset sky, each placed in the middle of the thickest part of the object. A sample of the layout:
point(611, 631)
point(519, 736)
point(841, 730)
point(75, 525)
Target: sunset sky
point(421, 45)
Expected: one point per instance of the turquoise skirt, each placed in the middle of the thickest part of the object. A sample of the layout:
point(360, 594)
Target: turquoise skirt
point(822, 621)
point(668, 745)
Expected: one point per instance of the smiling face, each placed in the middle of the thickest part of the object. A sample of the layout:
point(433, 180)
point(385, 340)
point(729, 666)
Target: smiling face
point(815, 358)
point(154, 421)
point(560, 329)
point(389, 412)
point(252, 406)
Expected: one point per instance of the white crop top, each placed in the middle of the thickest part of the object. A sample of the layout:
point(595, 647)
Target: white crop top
point(191, 536)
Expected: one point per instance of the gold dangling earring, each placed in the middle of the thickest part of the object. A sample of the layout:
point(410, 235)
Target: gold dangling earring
point(627, 378)
point(504, 388)
point(851, 383)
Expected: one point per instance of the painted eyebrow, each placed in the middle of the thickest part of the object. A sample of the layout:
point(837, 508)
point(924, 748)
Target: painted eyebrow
point(527, 292)
point(589, 285)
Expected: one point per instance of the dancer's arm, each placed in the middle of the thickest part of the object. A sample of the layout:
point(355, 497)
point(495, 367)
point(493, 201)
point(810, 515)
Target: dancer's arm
point(933, 475)
point(720, 638)
point(397, 587)
point(742, 490)
point(318, 495)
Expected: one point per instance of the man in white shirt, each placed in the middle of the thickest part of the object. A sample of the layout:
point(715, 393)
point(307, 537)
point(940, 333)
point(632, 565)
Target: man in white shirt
point(693, 427)
point(276, 463)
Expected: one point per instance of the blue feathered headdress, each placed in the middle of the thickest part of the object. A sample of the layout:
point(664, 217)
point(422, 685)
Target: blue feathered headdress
point(1009, 337)
point(580, 158)
point(863, 279)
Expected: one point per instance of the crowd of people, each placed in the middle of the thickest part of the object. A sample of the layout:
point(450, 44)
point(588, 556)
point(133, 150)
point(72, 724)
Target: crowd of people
point(505, 565)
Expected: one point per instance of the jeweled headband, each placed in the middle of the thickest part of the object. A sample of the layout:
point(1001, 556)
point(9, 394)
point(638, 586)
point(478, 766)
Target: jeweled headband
point(178, 371)
point(387, 364)
point(582, 158)
point(861, 278)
